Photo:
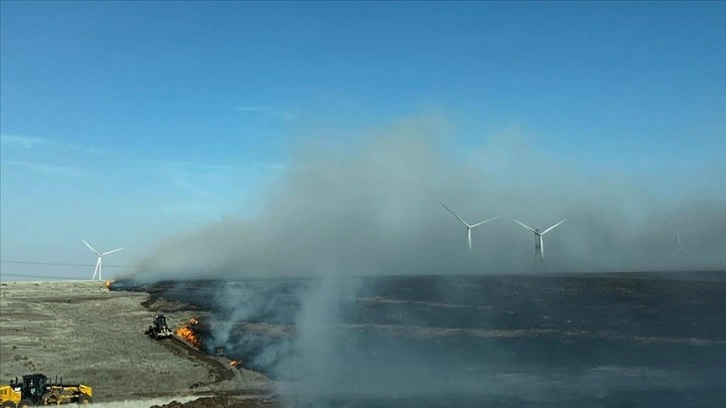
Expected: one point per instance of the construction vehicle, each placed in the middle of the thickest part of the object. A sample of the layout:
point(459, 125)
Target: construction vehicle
point(159, 330)
point(37, 389)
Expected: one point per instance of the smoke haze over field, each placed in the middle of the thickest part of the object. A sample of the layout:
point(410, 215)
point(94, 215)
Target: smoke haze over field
point(374, 209)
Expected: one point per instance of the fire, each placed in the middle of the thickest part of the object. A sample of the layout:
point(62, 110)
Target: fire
point(108, 283)
point(187, 333)
point(233, 363)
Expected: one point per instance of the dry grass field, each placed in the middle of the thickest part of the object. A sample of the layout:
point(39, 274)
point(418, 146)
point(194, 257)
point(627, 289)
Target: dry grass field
point(85, 333)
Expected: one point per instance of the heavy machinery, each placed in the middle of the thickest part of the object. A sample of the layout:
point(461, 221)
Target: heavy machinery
point(159, 330)
point(37, 389)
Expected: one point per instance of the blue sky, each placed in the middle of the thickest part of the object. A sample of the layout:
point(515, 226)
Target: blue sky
point(122, 122)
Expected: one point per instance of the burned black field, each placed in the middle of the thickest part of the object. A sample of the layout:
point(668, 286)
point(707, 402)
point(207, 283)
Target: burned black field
point(517, 341)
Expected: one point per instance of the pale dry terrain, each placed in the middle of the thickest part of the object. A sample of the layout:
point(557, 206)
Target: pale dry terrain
point(85, 333)
point(143, 403)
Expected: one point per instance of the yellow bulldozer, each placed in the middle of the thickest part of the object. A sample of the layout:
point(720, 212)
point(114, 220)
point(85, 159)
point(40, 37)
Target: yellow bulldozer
point(37, 389)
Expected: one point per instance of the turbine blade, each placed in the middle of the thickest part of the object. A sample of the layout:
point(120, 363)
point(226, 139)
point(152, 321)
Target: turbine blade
point(110, 252)
point(464, 222)
point(678, 234)
point(685, 250)
point(91, 248)
point(529, 228)
point(541, 246)
point(484, 222)
point(553, 227)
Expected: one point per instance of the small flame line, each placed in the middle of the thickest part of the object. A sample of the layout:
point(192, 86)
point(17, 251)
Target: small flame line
point(187, 333)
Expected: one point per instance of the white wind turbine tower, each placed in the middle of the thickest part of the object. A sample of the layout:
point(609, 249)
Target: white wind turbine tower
point(469, 227)
point(539, 240)
point(99, 262)
point(680, 246)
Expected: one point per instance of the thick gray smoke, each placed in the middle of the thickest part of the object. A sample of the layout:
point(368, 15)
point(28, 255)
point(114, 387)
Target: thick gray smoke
point(374, 209)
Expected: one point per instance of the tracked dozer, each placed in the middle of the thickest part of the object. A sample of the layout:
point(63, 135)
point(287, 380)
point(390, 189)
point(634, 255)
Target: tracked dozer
point(159, 330)
point(37, 389)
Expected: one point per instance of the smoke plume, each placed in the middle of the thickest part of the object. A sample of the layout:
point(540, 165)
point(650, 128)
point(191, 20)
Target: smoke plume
point(373, 208)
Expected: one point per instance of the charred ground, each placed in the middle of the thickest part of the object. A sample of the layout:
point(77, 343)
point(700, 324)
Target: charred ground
point(638, 339)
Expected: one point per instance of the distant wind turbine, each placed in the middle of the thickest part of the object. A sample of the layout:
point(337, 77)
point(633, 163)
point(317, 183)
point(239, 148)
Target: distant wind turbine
point(469, 227)
point(680, 246)
point(99, 262)
point(538, 239)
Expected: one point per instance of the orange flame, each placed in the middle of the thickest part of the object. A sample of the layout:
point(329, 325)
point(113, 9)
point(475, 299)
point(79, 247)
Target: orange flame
point(233, 363)
point(187, 333)
point(108, 283)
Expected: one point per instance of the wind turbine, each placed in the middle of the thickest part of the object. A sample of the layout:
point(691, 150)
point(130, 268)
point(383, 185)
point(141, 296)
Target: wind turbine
point(469, 227)
point(680, 246)
point(99, 262)
point(538, 239)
